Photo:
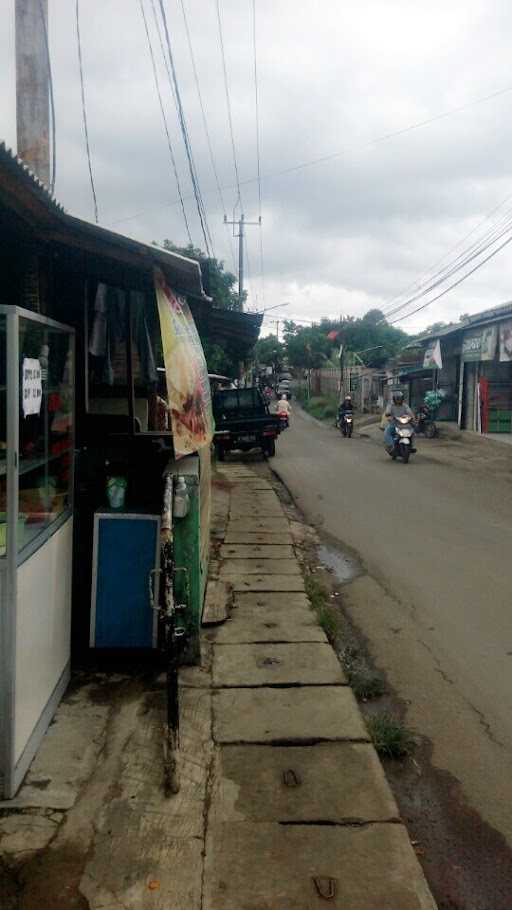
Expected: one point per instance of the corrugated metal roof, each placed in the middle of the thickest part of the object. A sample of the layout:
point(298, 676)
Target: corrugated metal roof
point(22, 172)
point(492, 315)
point(21, 188)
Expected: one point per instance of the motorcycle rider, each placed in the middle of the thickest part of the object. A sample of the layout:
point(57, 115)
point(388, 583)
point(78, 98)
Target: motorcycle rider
point(284, 407)
point(346, 407)
point(395, 409)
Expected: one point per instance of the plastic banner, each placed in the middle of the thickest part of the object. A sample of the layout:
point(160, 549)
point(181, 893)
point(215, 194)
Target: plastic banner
point(506, 341)
point(480, 344)
point(188, 387)
point(432, 359)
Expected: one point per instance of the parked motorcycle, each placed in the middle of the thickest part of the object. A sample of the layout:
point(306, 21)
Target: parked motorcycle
point(346, 423)
point(404, 439)
point(425, 423)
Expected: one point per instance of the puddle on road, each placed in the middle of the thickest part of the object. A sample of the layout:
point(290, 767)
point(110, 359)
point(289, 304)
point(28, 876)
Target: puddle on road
point(343, 567)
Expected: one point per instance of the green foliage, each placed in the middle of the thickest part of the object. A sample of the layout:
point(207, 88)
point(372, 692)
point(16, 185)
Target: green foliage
point(389, 736)
point(322, 407)
point(219, 284)
point(269, 351)
point(306, 348)
point(309, 348)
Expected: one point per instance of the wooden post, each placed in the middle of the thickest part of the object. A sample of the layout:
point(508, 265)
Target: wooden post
point(32, 89)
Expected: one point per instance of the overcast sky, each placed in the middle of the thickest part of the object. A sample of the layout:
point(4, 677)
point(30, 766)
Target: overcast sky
point(341, 236)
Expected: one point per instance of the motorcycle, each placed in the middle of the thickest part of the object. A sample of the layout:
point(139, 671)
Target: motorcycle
point(346, 423)
point(404, 439)
point(284, 420)
point(425, 422)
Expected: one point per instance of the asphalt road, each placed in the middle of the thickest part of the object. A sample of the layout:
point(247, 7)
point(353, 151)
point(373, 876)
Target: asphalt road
point(436, 602)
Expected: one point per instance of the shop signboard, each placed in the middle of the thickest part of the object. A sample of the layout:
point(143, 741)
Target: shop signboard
point(506, 341)
point(32, 388)
point(480, 344)
point(433, 359)
point(188, 387)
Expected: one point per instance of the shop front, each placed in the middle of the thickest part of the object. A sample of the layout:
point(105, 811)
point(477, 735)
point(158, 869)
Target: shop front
point(103, 393)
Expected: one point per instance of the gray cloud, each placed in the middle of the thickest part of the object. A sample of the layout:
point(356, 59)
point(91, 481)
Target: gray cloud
point(341, 236)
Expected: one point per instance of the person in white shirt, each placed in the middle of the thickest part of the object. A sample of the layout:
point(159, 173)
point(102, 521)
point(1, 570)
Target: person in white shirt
point(284, 406)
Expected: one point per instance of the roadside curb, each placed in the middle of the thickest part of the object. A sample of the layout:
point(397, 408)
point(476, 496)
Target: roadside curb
point(280, 704)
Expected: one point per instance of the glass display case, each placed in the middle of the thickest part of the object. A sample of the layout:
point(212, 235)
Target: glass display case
point(36, 497)
point(36, 429)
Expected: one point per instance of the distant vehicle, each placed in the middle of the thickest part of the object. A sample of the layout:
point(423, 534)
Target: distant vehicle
point(285, 376)
point(243, 421)
point(284, 388)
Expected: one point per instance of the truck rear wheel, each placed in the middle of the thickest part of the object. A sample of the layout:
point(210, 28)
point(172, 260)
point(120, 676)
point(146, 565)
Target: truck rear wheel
point(270, 449)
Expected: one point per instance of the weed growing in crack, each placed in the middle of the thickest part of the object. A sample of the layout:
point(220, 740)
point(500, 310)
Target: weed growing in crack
point(390, 736)
point(365, 682)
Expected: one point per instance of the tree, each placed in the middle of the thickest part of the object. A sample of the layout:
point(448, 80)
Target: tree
point(371, 337)
point(269, 351)
point(218, 283)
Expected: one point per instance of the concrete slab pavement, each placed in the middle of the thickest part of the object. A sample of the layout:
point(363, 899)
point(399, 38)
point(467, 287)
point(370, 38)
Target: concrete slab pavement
point(246, 536)
point(289, 867)
point(299, 715)
point(268, 624)
point(269, 664)
point(262, 582)
point(256, 551)
point(327, 782)
point(260, 566)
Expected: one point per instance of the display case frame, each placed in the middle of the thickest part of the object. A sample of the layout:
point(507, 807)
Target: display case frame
point(35, 572)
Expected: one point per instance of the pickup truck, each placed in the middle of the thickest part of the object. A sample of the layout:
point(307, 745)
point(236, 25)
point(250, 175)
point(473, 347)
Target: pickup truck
point(243, 421)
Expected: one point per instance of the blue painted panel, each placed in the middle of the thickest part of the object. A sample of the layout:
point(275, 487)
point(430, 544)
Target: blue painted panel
point(126, 550)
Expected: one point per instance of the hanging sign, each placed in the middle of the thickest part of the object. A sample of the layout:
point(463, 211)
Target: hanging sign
point(188, 387)
point(480, 344)
point(31, 386)
point(432, 359)
point(506, 341)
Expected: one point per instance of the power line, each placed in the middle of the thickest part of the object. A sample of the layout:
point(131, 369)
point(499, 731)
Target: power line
point(186, 139)
point(386, 137)
point(228, 105)
point(52, 99)
point(455, 283)
point(164, 118)
point(84, 111)
point(257, 113)
point(417, 283)
point(469, 255)
point(205, 126)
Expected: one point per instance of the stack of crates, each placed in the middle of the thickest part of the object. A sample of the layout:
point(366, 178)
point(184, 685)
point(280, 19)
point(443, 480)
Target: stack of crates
point(500, 421)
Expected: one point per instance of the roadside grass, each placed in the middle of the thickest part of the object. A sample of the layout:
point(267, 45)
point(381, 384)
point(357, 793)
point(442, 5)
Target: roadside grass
point(363, 680)
point(323, 407)
point(391, 738)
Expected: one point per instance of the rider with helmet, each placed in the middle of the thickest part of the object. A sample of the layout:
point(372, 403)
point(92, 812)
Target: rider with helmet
point(395, 409)
point(346, 407)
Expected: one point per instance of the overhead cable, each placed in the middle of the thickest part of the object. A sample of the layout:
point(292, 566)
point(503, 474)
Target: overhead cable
point(386, 137)
point(228, 105)
point(52, 98)
point(206, 129)
point(257, 113)
point(454, 285)
point(467, 256)
point(84, 111)
point(427, 274)
point(164, 118)
point(186, 139)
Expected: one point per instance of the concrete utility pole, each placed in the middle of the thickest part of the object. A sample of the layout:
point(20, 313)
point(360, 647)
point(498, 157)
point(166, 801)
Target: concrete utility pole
point(32, 89)
point(241, 224)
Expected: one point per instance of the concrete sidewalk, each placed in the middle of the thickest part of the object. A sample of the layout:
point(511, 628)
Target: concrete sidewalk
point(283, 803)
point(299, 809)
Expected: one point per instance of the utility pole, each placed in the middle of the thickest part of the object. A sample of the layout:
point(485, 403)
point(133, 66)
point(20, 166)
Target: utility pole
point(241, 223)
point(32, 89)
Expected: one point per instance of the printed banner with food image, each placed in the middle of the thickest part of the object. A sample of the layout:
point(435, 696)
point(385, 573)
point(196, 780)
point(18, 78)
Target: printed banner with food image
point(186, 372)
